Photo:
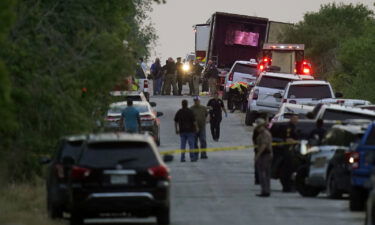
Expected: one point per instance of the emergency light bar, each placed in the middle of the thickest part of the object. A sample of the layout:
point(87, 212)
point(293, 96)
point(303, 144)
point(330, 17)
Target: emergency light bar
point(286, 47)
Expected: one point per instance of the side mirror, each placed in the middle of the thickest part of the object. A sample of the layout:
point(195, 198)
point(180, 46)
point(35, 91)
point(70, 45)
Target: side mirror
point(153, 104)
point(159, 114)
point(252, 84)
point(277, 95)
point(44, 160)
point(168, 158)
point(310, 115)
point(68, 161)
point(339, 95)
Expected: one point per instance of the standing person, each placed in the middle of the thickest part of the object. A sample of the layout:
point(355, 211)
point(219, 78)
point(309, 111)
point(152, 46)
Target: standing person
point(212, 74)
point(130, 118)
point(189, 76)
point(216, 106)
point(200, 114)
point(186, 127)
point(263, 157)
point(164, 75)
point(143, 64)
point(180, 75)
point(196, 76)
point(156, 72)
point(170, 77)
point(289, 135)
point(319, 131)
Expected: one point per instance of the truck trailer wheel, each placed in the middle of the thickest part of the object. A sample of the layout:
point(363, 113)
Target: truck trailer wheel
point(304, 189)
point(331, 190)
point(357, 199)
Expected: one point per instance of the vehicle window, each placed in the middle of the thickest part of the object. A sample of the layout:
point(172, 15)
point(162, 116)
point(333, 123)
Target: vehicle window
point(290, 114)
point(110, 154)
point(273, 82)
point(371, 138)
point(331, 114)
point(340, 137)
point(70, 149)
point(243, 68)
point(118, 109)
point(125, 98)
point(139, 73)
point(309, 91)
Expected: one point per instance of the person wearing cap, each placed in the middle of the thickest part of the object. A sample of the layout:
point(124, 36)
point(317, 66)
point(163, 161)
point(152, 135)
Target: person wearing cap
point(200, 113)
point(263, 157)
point(216, 106)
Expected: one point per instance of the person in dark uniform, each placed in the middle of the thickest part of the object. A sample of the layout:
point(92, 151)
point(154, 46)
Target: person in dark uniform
point(289, 135)
point(216, 107)
point(318, 132)
point(180, 75)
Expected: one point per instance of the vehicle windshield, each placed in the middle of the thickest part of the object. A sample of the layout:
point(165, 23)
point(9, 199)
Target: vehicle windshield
point(70, 149)
point(118, 109)
point(331, 114)
point(110, 154)
point(274, 82)
point(243, 68)
point(340, 137)
point(124, 98)
point(309, 91)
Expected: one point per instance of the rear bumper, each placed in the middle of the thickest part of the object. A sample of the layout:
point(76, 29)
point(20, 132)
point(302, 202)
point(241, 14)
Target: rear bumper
point(252, 106)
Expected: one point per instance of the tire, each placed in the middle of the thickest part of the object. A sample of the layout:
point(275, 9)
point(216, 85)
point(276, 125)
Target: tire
point(76, 219)
point(301, 186)
point(357, 199)
point(163, 216)
point(250, 117)
point(331, 187)
point(54, 211)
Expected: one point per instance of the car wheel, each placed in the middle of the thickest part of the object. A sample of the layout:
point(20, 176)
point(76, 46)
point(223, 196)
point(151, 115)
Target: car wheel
point(331, 189)
point(54, 212)
point(357, 199)
point(163, 216)
point(250, 117)
point(301, 186)
point(76, 219)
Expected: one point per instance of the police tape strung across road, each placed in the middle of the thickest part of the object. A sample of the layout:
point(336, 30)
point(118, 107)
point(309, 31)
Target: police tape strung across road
point(229, 148)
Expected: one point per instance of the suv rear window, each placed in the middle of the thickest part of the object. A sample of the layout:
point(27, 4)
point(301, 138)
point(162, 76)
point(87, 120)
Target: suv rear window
point(371, 138)
point(70, 149)
point(243, 68)
point(110, 154)
point(125, 98)
point(273, 82)
point(331, 114)
point(309, 91)
point(119, 109)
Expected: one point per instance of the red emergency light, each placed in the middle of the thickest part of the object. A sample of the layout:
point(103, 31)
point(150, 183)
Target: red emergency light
point(264, 62)
point(304, 68)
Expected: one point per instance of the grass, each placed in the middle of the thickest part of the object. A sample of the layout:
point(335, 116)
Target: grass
point(25, 204)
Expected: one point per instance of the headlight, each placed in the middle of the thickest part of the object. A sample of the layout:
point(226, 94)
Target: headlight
point(186, 67)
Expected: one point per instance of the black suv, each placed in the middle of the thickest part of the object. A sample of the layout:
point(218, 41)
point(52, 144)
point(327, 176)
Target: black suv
point(119, 175)
point(68, 149)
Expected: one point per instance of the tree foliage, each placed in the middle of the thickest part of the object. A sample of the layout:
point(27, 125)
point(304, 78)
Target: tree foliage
point(53, 51)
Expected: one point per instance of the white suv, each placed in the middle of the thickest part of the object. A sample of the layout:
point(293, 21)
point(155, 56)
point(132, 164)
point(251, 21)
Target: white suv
point(341, 113)
point(262, 97)
point(307, 92)
point(245, 71)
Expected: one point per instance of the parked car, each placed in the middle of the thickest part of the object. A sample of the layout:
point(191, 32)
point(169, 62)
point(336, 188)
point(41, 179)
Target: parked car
point(328, 167)
point(288, 109)
point(261, 99)
point(122, 96)
point(369, 107)
point(150, 121)
point(290, 156)
point(58, 176)
point(119, 174)
point(361, 169)
point(339, 112)
point(307, 92)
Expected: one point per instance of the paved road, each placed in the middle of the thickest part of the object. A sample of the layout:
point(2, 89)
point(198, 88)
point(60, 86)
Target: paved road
point(221, 190)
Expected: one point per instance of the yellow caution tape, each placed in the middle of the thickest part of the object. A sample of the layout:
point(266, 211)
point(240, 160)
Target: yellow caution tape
point(229, 148)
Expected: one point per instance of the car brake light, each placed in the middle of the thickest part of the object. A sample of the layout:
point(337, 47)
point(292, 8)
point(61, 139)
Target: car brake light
point(284, 100)
point(292, 102)
point(111, 118)
point(230, 78)
point(159, 172)
point(145, 84)
point(255, 94)
point(353, 159)
point(147, 118)
point(59, 171)
point(340, 101)
point(79, 173)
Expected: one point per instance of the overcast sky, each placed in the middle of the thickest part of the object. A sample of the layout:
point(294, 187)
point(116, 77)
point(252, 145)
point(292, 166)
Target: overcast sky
point(174, 20)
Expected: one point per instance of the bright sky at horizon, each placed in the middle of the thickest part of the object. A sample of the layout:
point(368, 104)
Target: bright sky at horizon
point(174, 20)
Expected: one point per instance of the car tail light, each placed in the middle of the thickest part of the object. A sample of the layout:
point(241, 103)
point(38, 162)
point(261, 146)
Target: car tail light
point(111, 118)
point(293, 102)
point(340, 101)
point(79, 173)
point(230, 78)
point(145, 84)
point(159, 172)
point(353, 159)
point(284, 100)
point(59, 169)
point(256, 94)
point(147, 118)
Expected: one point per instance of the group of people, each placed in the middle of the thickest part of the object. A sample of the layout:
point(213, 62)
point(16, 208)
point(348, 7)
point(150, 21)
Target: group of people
point(171, 77)
point(190, 124)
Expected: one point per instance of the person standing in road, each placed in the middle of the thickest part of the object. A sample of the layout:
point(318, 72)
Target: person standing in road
point(130, 118)
point(157, 75)
point(196, 76)
point(200, 114)
point(180, 75)
point(263, 157)
point(216, 107)
point(212, 74)
point(186, 127)
point(170, 79)
point(319, 131)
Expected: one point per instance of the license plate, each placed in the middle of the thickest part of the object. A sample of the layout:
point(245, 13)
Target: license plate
point(119, 179)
